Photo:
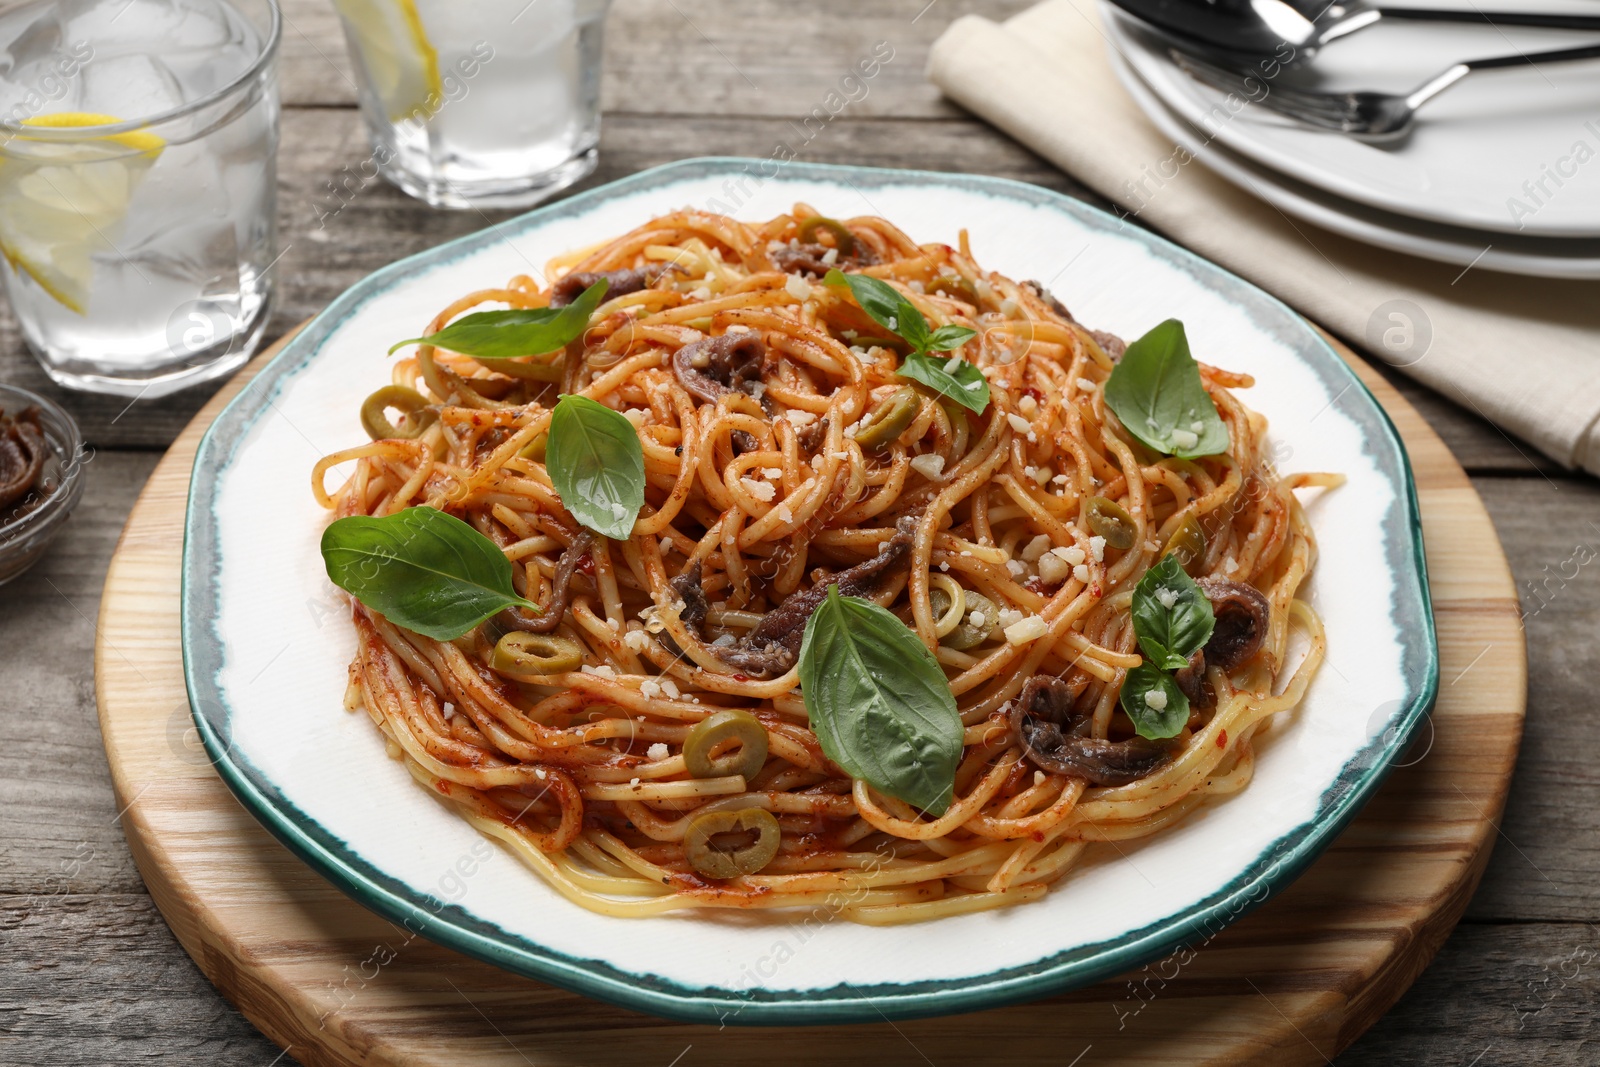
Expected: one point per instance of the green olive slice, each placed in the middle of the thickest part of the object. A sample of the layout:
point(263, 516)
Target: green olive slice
point(534, 449)
point(1188, 543)
point(889, 419)
point(955, 285)
point(970, 634)
point(415, 414)
point(523, 653)
point(756, 826)
point(726, 743)
point(550, 368)
point(843, 239)
point(948, 601)
point(1108, 519)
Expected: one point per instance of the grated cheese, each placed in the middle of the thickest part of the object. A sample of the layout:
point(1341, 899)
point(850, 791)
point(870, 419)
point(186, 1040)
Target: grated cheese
point(1030, 629)
point(1071, 553)
point(1053, 570)
point(1036, 548)
point(762, 491)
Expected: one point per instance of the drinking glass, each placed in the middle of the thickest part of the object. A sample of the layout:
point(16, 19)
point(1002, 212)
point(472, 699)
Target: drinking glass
point(137, 186)
point(488, 103)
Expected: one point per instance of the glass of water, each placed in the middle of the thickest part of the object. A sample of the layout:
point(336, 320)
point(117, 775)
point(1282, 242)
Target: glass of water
point(479, 103)
point(137, 186)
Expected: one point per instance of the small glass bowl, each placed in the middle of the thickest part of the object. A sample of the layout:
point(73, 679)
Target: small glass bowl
point(23, 541)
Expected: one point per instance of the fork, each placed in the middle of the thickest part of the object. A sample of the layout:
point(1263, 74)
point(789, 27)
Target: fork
point(1370, 116)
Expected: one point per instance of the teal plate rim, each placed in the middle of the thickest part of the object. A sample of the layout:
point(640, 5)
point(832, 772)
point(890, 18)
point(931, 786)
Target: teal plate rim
point(449, 925)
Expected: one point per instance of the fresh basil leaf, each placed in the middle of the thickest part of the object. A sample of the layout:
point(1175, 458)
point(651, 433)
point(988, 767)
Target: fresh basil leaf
point(966, 385)
point(421, 569)
point(879, 703)
point(1170, 710)
point(594, 459)
point(1172, 616)
point(1155, 391)
point(886, 306)
point(946, 338)
point(878, 299)
point(520, 332)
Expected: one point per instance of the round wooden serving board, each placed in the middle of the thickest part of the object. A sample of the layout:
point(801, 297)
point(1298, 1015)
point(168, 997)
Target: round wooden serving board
point(1293, 983)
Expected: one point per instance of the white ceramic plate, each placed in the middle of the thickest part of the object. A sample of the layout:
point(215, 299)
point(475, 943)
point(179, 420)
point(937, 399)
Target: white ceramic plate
point(1478, 154)
point(266, 642)
point(1542, 257)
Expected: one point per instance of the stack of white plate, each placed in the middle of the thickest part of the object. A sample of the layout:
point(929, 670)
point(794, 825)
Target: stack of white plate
point(1501, 172)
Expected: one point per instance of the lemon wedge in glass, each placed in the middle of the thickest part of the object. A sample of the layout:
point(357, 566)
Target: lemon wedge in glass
point(63, 201)
point(400, 61)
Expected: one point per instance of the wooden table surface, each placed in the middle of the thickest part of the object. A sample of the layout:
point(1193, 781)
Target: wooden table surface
point(89, 973)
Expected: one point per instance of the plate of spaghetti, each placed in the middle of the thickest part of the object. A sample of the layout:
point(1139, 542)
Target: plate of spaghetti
point(748, 592)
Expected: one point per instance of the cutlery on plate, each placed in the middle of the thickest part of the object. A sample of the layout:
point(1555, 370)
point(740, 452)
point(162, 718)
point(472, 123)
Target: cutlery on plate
point(1368, 115)
point(1263, 27)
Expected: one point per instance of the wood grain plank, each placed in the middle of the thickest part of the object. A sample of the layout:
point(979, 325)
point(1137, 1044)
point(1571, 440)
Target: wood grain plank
point(765, 58)
point(58, 816)
point(99, 979)
point(1549, 855)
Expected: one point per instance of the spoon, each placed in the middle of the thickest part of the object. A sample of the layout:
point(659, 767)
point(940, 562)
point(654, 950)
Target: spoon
point(1264, 27)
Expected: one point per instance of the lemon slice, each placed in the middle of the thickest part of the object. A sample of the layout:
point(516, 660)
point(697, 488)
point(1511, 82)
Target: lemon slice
point(396, 53)
point(61, 202)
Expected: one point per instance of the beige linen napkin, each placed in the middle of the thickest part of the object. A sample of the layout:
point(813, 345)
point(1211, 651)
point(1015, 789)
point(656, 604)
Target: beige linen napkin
point(1522, 352)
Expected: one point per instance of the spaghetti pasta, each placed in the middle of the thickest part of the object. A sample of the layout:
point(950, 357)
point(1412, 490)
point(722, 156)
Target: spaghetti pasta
point(645, 745)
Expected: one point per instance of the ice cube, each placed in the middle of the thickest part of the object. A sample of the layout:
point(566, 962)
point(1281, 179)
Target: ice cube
point(38, 70)
point(29, 38)
point(129, 87)
point(202, 252)
point(202, 71)
point(123, 27)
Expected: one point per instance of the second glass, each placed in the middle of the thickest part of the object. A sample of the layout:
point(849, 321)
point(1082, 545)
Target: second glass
point(479, 102)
